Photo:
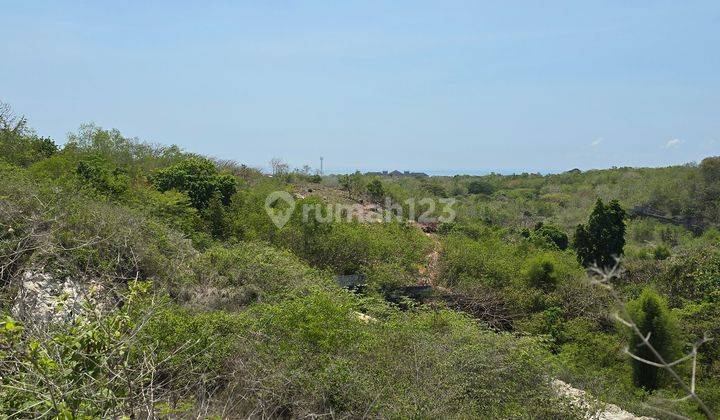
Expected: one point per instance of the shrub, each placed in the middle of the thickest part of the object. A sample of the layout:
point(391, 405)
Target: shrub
point(314, 354)
point(103, 178)
point(271, 272)
point(540, 272)
point(198, 178)
point(375, 190)
point(386, 276)
point(480, 187)
point(352, 183)
point(489, 260)
point(104, 365)
point(550, 234)
point(661, 252)
point(651, 315)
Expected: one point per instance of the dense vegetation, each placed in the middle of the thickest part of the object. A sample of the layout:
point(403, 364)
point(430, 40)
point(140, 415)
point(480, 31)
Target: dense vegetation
point(172, 292)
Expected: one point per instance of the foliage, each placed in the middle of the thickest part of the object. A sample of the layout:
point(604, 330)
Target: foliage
point(661, 252)
point(101, 177)
point(541, 273)
point(243, 318)
point(352, 184)
point(315, 353)
point(18, 144)
point(480, 187)
point(251, 272)
point(650, 313)
point(549, 234)
point(139, 157)
point(603, 238)
point(94, 367)
point(375, 190)
point(199, 179)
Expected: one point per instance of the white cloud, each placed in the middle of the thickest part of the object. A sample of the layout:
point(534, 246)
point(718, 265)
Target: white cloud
point(596, 142)
point(673, 144)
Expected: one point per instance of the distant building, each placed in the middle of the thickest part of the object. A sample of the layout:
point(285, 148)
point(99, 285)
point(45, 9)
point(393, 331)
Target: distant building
point(398, 174)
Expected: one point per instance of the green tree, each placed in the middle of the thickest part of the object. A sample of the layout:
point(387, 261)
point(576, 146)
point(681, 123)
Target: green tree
point(102, 177)
point(602, 239)
point(651, 315)
point(219, 223)
point(18, 143)
point(376, 190)
point(480, 187)
point(353, 183)
point(198, 178)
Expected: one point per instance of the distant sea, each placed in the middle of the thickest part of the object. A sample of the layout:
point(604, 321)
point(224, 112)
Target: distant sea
point(444, 172)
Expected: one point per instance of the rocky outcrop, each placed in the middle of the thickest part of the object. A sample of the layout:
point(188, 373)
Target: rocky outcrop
point(594, 409)
point(44, 298)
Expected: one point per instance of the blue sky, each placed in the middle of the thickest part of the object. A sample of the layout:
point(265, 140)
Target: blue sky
point(443, 86)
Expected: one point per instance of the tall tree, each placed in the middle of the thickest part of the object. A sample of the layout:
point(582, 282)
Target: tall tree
point(602, 239)
point(651, 315)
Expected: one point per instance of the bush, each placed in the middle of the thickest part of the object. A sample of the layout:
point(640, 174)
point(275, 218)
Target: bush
point(106, 365)
point(269, 272)
point(195, 346)
point(103, 178)
point(489, 260)
point(651, 315)
point(375, 190)
point(540, 272)
point(387, 276)
point(549, 234)
point(661, 252)
point(348, 247)
point(480, 187)
point(314, 354)
point(199, 179)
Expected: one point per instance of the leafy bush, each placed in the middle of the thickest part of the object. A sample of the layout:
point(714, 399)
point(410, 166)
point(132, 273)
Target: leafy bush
point(375, 190)
point(198, 178)
point(650, 313)
point(254, 271)
point(540, 272)
point(489, 260)
point(18, 143)
point(661, 252)
point(104, 179)
point(100, 364)
point(549, 234)
point(314, 353)
point(480, 187)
